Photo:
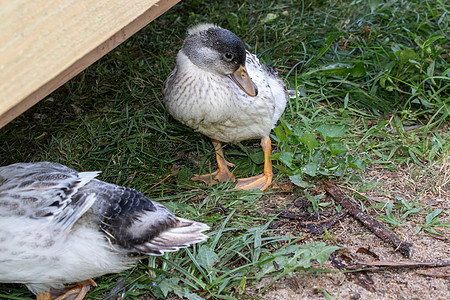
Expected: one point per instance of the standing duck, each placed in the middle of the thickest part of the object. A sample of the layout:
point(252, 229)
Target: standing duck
point(59, 226)
point(226, 93)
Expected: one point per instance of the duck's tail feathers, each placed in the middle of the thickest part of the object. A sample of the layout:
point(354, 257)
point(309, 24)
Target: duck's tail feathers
point(186, 233)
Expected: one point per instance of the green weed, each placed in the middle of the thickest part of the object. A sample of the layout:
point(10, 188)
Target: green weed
point(399, 211)
point(432, 221)
point(307, 155)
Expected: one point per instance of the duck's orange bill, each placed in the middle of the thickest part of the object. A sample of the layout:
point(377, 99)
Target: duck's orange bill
point(243, 81)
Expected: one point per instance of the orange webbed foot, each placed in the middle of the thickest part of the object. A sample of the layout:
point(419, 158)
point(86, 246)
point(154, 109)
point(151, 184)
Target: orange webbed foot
point(78, 290)
point(222, 175)
point(261, 182)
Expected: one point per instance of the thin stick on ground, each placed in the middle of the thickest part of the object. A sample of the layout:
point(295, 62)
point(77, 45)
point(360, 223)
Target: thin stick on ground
point(376, 227)
point(313, 227)
point(399, 264)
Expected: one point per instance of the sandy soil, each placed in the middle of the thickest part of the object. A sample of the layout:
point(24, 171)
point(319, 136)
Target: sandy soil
point(360, 244)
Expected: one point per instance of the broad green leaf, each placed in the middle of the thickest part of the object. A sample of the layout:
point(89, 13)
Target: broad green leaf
point(297, 180)
point(270, 17)
point(324, 254)
point(286, 158)
point(373, 4)
point(406, 55)
point(431, 68)
point(309, 140)
point(294, 140)
point(432, 230)
point(358, 164)
point(257, 156)
point(191, 296)
point(310, 169)
point(168, 285)
point(383, 81)
point(332, 131)
point(299, 156)
point(298, 129)
point(409, 212)
point(269, 267)
point(358, 70)
point(320, 251)
point(281, 167)
point(281, 135)
point(429, 218)
point(206, 257)
point(346, 100)
point(286, 126)
point(337, 147)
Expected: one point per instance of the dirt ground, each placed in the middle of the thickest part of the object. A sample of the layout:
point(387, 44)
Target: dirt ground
point(360, 244)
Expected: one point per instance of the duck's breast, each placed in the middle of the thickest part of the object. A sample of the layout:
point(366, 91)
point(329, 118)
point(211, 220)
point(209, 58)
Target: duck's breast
point(214, 105)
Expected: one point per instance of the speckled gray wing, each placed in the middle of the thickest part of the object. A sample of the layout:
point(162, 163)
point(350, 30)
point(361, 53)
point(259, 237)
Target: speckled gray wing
point(167, 82)
point(252, 59)
point(139, 224)
point(44, 191)
point(269, 83)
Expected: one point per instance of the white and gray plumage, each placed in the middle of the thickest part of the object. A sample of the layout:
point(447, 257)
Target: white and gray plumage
point(59, 226)
point(226, 93)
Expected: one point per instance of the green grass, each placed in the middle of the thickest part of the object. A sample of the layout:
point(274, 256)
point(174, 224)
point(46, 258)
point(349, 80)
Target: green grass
point(373, 89)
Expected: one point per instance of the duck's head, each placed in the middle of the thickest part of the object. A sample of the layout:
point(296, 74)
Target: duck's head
point(220, 51)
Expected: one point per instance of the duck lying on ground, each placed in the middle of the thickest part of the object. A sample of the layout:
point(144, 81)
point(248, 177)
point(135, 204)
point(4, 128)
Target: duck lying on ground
point(59, 226)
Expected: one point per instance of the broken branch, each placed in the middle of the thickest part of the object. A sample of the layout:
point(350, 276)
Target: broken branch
point(398, 264)
point(376, 227)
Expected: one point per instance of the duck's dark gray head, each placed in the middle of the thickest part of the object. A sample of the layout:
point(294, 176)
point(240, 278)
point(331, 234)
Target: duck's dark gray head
point(218, 50)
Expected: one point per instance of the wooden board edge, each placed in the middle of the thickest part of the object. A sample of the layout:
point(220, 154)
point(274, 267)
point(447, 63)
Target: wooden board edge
point(89, 58)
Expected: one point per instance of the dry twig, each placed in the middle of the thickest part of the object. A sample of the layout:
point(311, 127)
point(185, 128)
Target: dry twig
point(398, 264)
point(376, 227)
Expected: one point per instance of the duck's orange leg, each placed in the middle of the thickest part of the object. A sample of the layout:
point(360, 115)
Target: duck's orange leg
point(261, 181)
point(45, 296)
point(79, 289)
point(222, 174)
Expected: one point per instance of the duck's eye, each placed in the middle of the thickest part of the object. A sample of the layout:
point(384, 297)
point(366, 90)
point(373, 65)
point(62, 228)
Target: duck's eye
point(228, 56)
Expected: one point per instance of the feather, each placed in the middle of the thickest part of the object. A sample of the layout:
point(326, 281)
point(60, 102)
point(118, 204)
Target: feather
point(59, 226)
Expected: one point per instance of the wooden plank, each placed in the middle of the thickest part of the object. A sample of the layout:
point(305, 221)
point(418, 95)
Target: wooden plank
point(44, 43)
